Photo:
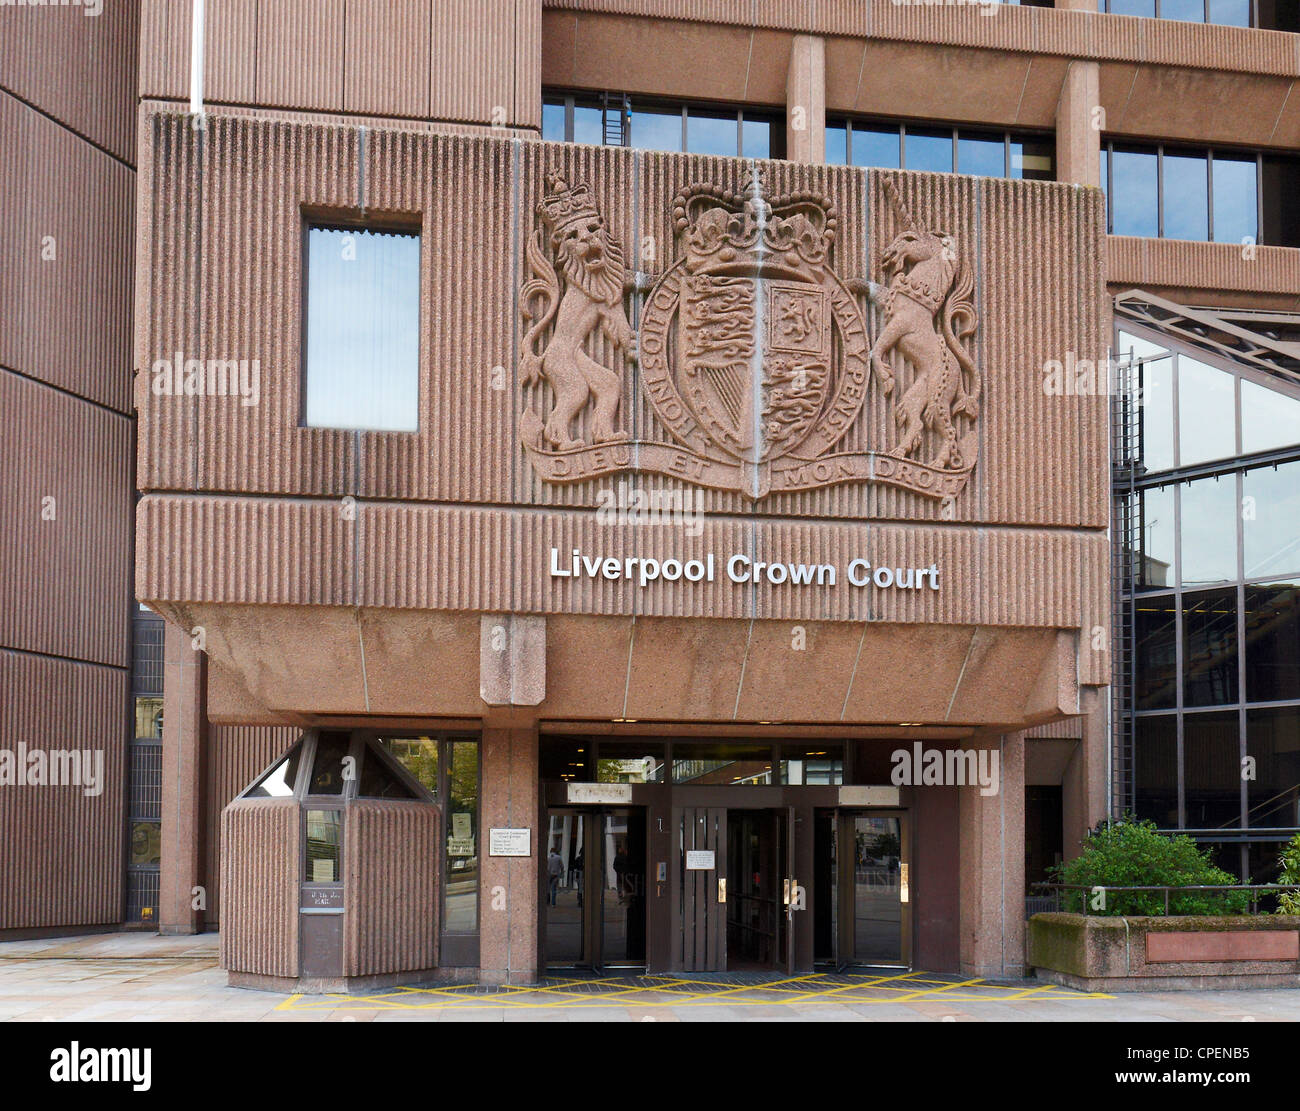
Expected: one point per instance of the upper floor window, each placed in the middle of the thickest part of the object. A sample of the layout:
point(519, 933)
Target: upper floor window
point(1269, 15)
point(613, 119)
point(896, 145)
point(362, 335)
point(1193, 193)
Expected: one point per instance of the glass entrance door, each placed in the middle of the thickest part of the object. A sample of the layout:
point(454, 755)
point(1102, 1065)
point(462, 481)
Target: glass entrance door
point(866, 855)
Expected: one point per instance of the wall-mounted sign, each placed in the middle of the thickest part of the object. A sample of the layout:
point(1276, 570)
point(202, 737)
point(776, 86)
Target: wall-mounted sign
point(869, 796)
point(510, 842)
point(699, 860)
point(605, 793)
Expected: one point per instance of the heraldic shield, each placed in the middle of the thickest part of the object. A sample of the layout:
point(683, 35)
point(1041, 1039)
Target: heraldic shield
point(754, 353)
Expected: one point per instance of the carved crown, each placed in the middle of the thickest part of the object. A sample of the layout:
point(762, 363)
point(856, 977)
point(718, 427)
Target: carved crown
point(719, 224)
point(564, 205)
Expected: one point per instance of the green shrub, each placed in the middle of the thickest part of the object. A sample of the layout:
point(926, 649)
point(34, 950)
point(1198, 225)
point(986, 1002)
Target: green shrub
point(1288, 902)
point(1131, 853)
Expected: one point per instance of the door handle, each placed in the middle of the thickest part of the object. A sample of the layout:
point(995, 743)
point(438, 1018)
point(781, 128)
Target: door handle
point(785, 894)
point(722, 889)
point(903, 893)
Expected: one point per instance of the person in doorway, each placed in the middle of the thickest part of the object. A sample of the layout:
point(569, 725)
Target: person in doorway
point(577, 875)
point(554, 869)
point(621, 863)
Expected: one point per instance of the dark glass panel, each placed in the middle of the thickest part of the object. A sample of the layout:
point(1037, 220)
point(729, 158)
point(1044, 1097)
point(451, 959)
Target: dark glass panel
point(1155, 662)
point(630, 763)
point(1156, 568)
point(462, 839)
point(812, 764)
point(1133, 201)
point(1155, 769)
point(927, 148)
point(1272, 642)
point(722, 764)
point(327, 769)
point(1034, 159)
point(146, 844)
point(1186, 194)
point(1273, 739)
point(565, 759)
point(876, 146)
point(565, 874)
point(379, 781)
point(1209, 530)
point(1105, 180)
point(1212, 770)
point(1279, 188)
point(1210, 648)
point(324, 845)
point(1275, 15)
point(418, 755)
point(1270, 520)
point(1236, 198)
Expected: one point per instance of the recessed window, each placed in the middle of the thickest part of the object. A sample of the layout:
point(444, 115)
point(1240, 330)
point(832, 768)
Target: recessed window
point(362, 337)
point(895, 145)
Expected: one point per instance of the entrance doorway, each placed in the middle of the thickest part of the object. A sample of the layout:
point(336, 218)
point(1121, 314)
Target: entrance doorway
point(861, 864)
point(594, 888)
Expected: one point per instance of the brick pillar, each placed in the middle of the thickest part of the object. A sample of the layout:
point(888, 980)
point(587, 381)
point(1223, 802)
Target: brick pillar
point(1078, 126)
point(992, 856)
point(182, 784)
point(508, 896)
point(805, 100)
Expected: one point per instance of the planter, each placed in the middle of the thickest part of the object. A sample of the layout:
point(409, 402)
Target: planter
point(1160, 954)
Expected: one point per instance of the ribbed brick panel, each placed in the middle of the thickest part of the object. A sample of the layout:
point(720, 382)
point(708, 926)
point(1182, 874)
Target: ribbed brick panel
point(66, 236)
point(390, 862)
point(77, 68)
point(259, 881)
point(1185, 264)
point(386, 71)
point(64, 563)
point(300, 53)
point(233, 757)
point(429, 557)
point(1079, 34)
point(1065, 730)
point(61, 851)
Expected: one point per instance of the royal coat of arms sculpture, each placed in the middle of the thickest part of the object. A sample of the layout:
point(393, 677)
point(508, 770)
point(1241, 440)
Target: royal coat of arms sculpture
point(753, 352)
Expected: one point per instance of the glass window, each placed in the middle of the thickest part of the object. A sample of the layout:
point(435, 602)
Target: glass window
point(1186, 195)
point(1209, 530)
point(149, 718)
point(1236, 199)
point(762, 137)
point(1155, 758)
point(1212, 770)
point(981, 154)
point(328, 769)
point(1190, 11)
point(1156, 670)
point(1270, 520)
point(1206, 412)
point(1157, 567)
point(553, 120)
point(661, 129)
point(1034, 160)
point(363, 330)
point(1232, 13)
point(722, 764)
point(418, 755)
point(877, 146)
point(630, 764)
point(816, 764)
point(324, 845)
point(927, 149)
point(461, 889)
point(1272, 642)
point(1156, 383)
point(146, 844)
point(1210, 648)
point(589, 125)
point(712, 133)
point(837, 144)
point(1279, 187)
point(1269, 418)
point(279, 782)
point(1133, 193)
point(1273, 739)
point(1133, 7)
point(378, 780)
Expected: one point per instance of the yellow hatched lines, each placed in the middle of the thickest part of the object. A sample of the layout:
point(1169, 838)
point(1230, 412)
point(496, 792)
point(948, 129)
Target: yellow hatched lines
point(561, 993)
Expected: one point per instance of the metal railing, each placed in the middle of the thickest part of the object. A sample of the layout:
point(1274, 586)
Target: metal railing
point(1057, 893)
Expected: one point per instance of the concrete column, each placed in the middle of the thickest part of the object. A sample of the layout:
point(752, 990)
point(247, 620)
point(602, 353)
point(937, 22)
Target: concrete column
point(1079, 125)
point(508, 897)
point(992, 857)
point(182, 784)
point(1083, 786)
point(805, 100)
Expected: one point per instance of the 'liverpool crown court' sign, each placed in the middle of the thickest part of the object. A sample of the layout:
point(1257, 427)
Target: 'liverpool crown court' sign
point(754, 353)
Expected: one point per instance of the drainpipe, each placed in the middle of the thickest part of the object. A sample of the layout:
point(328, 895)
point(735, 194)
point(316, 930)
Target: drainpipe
point(196, 60)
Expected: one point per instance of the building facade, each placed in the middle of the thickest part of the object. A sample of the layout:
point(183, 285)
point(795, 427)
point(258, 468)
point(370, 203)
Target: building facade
point(642, 485)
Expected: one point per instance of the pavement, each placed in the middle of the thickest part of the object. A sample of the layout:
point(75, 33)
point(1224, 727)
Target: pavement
point(133, 976)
